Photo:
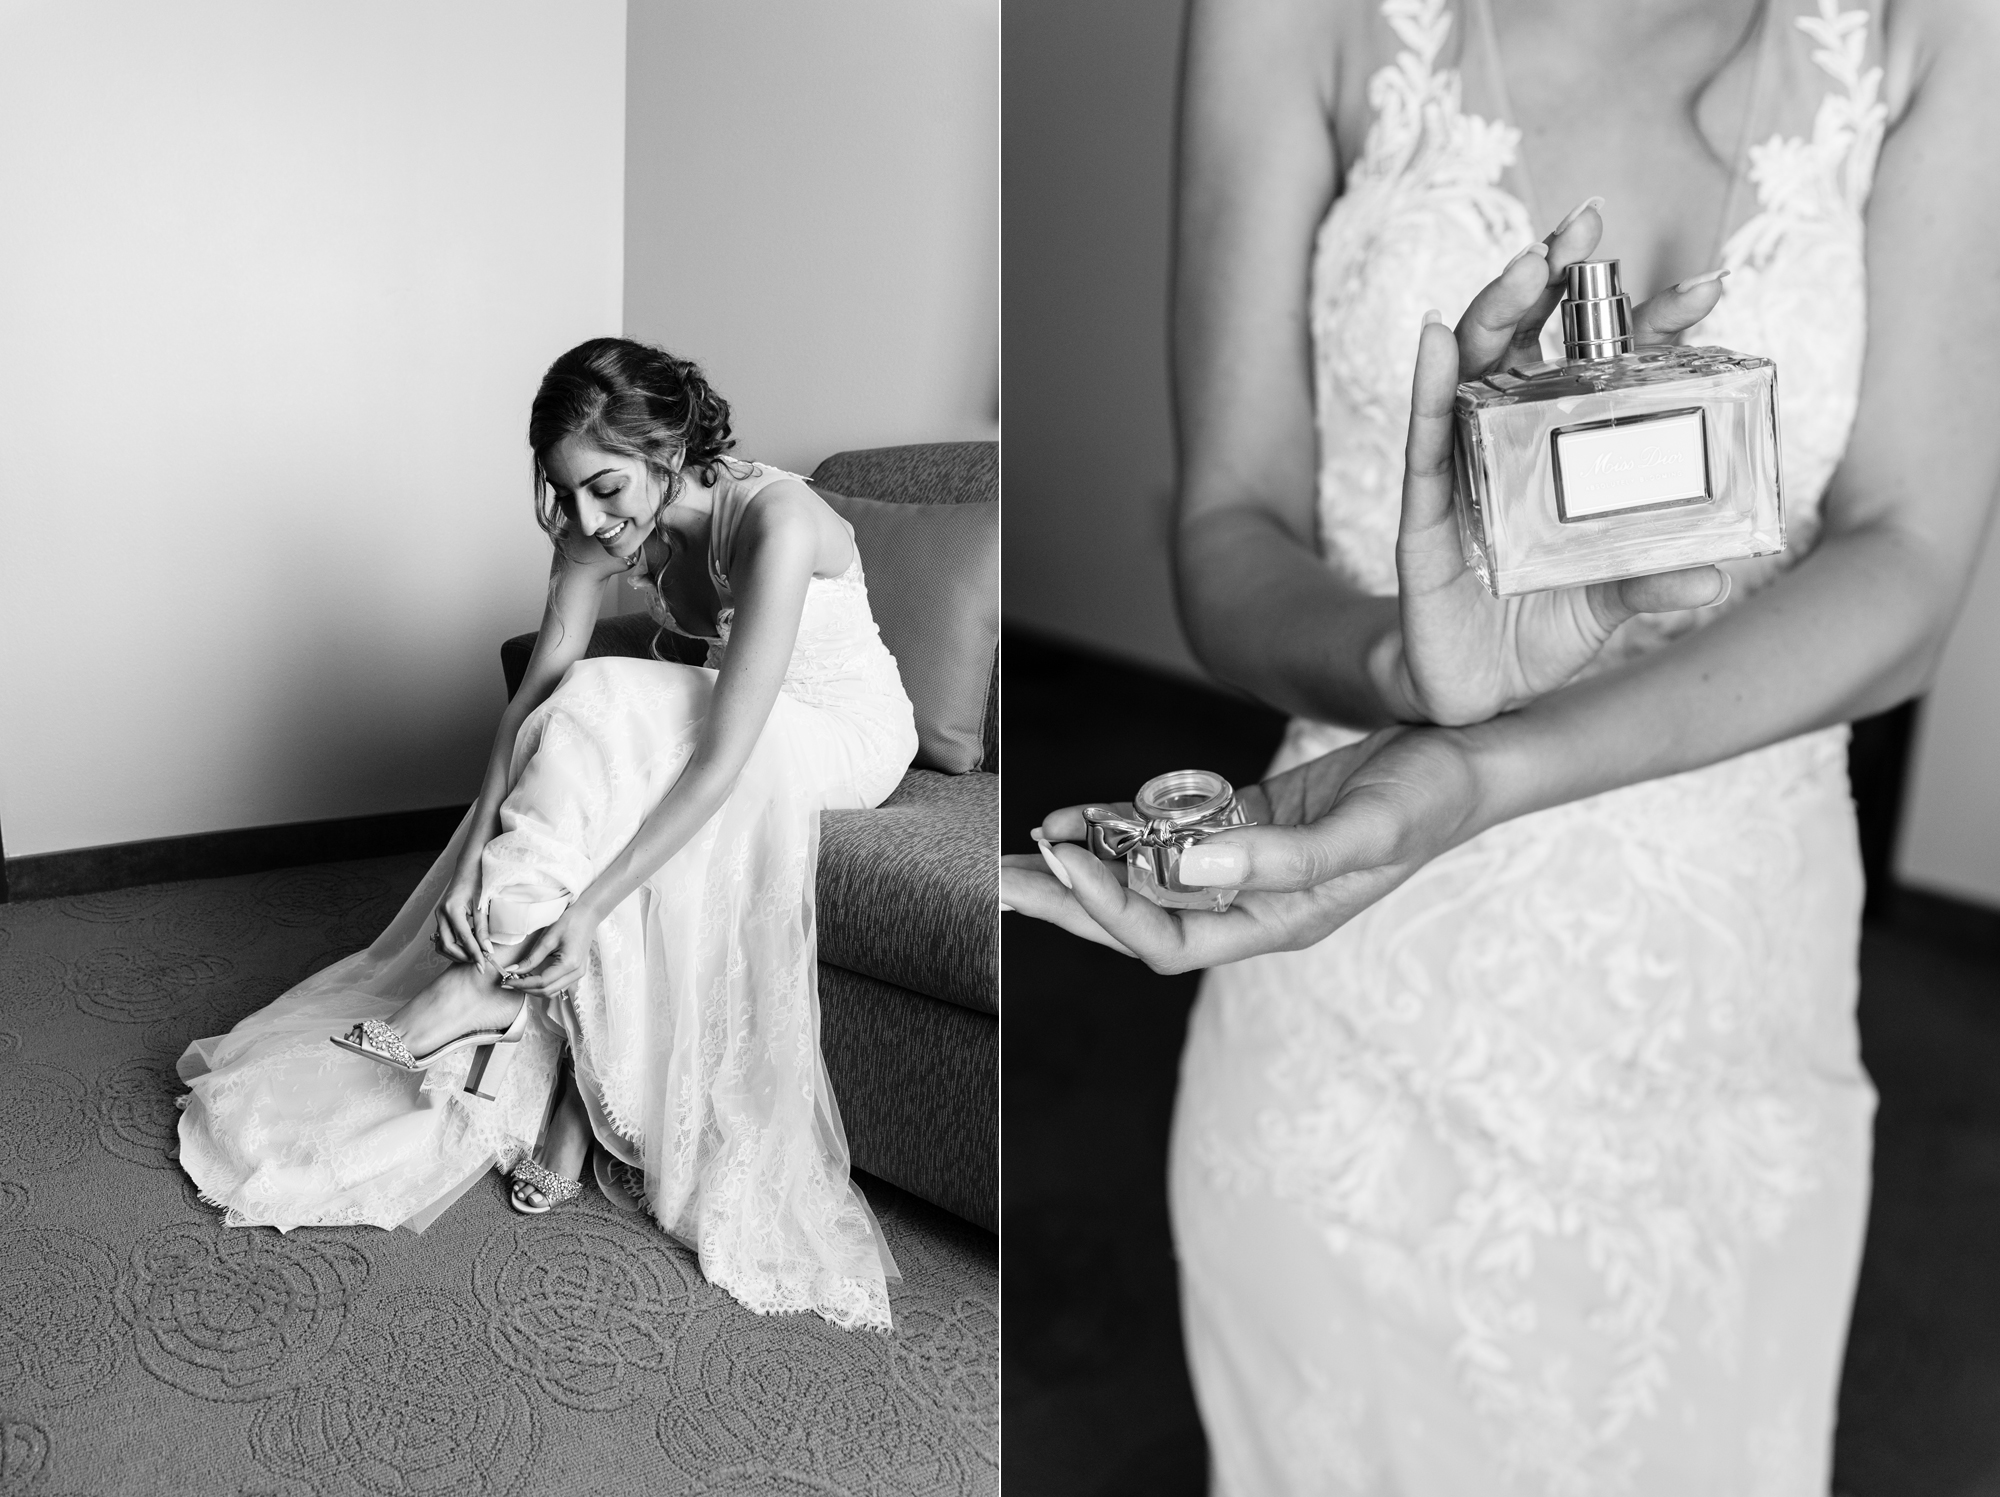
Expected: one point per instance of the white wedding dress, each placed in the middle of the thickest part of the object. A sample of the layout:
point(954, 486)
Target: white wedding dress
point(695, 1032)
point(1548, 1173)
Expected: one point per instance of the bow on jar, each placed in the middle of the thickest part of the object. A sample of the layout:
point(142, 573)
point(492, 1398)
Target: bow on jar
point(1112, 837)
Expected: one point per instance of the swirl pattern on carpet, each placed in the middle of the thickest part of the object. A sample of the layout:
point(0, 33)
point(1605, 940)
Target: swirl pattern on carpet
point(149, 1348)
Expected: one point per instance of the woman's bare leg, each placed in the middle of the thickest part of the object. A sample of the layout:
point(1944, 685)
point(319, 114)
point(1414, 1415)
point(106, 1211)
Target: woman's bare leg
point(460, 999)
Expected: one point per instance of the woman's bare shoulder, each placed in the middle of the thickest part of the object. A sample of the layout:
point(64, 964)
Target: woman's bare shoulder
point(1939, 50)
point(788, 516)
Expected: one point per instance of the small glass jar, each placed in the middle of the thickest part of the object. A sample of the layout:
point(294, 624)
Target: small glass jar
point(1174, 812)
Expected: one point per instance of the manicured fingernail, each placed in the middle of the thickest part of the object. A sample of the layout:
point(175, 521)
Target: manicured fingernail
point(1433, 316)
point(1728, 586)
point(1214, 865)
point(1539, 247)
point(1577, 212)
point(1054, 862)
point(1699, 280)
point(1006, 908)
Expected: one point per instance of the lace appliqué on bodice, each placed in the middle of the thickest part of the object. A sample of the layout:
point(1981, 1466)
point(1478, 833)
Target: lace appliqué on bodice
point(1424, 222)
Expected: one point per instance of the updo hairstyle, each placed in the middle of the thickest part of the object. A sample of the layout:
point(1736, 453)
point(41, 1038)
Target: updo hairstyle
point(632, 399)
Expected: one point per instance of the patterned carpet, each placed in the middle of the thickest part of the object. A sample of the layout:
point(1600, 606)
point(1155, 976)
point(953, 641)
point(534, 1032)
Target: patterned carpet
point(144, 1348)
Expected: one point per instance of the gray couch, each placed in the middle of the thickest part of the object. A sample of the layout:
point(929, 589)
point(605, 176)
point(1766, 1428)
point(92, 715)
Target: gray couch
point(907, 906)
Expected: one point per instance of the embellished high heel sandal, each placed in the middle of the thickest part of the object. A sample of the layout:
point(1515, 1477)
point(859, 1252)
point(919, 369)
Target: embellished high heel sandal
point(376, 1040)
point(556, 1191)
point(531, 1172)
point(510, 922)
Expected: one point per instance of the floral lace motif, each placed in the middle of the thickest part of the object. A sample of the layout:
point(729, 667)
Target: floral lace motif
point(1557, 1100)
point(1422, 222)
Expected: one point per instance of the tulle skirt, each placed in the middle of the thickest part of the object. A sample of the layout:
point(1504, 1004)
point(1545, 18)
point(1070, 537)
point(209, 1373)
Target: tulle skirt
point(694, 1033)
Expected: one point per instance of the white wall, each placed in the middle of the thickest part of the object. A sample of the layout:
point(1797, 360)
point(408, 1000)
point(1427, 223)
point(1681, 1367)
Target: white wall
point(1951, 822)
point(1089, 114)
point(276, 286)
point(812, 214)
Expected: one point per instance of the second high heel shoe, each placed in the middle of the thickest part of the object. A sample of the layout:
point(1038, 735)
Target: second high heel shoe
point(376, 1040)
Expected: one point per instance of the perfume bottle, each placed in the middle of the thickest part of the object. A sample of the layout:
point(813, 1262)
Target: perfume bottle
point(1618, 460)
point(1175, 811)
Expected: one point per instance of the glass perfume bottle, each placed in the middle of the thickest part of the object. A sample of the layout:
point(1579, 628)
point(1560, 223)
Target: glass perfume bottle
point(1618, 460)
point(1175, 811)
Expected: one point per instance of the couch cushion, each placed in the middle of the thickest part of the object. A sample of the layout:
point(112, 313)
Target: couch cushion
point(910, 891)
point(918, 1084)
point(928, 473)
point(934, 588)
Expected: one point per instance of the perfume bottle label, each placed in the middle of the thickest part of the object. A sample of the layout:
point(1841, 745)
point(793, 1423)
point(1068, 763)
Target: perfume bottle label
point(1631, 463)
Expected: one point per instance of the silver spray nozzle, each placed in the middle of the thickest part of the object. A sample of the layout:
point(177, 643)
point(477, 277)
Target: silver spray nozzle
point(1596, 312)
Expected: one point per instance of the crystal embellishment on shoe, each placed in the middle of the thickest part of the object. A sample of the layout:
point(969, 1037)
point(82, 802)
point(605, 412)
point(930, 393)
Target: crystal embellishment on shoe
point(556, 1191)
point(374, 1038)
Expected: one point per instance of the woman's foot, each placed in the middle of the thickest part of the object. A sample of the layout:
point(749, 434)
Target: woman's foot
point(565, 1147)
point(461, 1000)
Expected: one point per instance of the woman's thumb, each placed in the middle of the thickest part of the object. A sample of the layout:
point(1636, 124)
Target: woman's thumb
point(1276, 858)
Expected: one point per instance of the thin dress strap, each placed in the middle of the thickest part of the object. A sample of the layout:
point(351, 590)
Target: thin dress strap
point(732, 498)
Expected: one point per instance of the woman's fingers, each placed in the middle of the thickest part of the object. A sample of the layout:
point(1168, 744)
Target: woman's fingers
point(1612, 603)
point(1659, 319)
point(1505, 320)
point(1491, 323)
point(1070, 825)
point(454, 939)
point(483, 933)
point(1030, 889)
point(1569, 241)
point(1428, 552)
point(1133, 922)
point(1290, 858)
point(564, 967)
point(537, 952)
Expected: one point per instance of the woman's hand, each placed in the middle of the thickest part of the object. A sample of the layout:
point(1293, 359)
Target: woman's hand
point(1462, 655)
point(461, 922)
point(1331, 837)
point(556, 958)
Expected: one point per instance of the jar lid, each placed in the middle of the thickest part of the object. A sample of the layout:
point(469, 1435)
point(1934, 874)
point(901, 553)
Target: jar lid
point(1184, 797)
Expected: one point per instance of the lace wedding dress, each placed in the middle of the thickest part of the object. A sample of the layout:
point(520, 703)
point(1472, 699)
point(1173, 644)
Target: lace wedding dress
point(1548, 1174)
point(695, 1032)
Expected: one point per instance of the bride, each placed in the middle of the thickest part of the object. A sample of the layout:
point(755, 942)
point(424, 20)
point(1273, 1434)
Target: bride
point(1522, 1142)
point(617, 946)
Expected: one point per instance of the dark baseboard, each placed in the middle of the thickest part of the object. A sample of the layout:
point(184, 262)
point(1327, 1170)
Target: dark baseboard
point(120, 865)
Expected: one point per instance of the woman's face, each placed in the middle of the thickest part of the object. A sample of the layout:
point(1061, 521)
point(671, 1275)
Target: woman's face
point(611, 497)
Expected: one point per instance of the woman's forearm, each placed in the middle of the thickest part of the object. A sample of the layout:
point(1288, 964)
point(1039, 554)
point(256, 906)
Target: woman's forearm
point(1267, 616)
point(1851, 631)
